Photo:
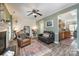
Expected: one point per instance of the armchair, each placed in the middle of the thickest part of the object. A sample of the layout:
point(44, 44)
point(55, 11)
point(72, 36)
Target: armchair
point(23, 39)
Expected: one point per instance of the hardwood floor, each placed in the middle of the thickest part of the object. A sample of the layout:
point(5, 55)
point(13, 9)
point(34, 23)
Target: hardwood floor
point(59, 49)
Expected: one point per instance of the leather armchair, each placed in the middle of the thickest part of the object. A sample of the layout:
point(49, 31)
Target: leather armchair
point(23, 40)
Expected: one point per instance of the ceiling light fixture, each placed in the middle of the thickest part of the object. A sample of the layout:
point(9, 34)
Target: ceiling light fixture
point(34, 14)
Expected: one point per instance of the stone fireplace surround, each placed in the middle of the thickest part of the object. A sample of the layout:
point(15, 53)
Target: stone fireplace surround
point(5, 28)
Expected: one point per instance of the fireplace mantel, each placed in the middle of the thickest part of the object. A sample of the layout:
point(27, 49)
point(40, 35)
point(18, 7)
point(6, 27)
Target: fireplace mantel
point(3, 30)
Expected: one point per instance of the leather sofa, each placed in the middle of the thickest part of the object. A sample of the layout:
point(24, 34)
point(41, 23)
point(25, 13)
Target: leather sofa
point(47, 37)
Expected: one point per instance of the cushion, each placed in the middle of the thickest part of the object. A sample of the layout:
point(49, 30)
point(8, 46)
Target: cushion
point(46, 34)
point(23, 36)
point(25, 40)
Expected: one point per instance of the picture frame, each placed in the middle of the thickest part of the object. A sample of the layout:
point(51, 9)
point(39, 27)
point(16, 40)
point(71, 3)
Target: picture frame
point(49, 23)
point(27, 29)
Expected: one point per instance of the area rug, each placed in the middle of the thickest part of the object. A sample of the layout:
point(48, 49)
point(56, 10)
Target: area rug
point(67, 41)
point(35, 49)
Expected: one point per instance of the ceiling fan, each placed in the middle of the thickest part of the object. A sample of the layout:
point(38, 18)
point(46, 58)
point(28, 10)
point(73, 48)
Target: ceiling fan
point(34, 12)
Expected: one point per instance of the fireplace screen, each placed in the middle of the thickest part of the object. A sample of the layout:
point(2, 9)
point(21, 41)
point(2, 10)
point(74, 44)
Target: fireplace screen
point(2, 41)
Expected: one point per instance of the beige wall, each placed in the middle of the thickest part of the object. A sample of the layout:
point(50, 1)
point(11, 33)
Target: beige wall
point(21, 22)
point(22, 19)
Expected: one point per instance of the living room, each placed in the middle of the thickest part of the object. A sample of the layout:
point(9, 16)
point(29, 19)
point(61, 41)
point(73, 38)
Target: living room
point(33, 29)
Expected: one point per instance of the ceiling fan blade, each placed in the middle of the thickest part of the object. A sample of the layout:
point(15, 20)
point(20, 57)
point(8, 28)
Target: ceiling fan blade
point(29, 11)
point(39, 14)
point(29, 14)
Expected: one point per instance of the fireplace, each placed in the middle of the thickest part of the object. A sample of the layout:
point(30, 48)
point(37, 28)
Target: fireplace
point(2, 41)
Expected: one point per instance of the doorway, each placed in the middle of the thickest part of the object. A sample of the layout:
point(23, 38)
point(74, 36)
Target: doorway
point(68, 27)
point(41, 26)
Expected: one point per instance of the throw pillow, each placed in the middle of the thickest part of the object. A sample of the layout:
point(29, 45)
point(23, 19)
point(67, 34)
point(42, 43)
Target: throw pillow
point(46, 34)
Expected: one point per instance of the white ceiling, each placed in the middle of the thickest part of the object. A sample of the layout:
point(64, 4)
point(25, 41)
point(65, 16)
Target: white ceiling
point(45, 8)
point(69, 16)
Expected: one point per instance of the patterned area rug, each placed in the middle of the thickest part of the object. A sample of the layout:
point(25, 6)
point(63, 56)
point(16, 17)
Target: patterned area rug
point(67, 41)
point(35, 49)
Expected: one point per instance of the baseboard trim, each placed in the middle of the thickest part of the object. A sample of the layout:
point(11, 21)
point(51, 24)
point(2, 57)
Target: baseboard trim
point(78, 50)
point(56, 42)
